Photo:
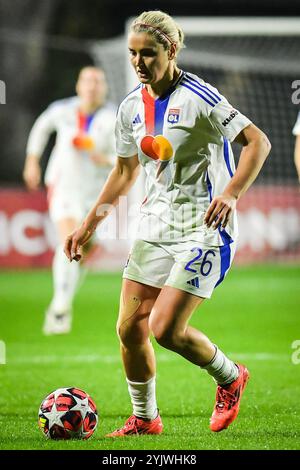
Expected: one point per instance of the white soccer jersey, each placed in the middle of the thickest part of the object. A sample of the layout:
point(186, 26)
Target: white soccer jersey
point(69, 166)
point(189, 165)
point(296, 128)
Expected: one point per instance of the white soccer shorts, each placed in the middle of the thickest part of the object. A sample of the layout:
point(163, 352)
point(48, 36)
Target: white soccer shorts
point(186, 265)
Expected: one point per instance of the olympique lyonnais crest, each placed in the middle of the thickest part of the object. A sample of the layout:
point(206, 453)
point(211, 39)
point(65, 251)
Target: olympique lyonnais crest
point(173, 115)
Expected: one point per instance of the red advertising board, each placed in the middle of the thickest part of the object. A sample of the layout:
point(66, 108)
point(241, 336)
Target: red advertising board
point(27, 236)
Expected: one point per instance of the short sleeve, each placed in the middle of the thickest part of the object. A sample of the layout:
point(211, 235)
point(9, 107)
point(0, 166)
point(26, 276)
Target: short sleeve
point(228, 120)
point(125, 143)
point(296, 128)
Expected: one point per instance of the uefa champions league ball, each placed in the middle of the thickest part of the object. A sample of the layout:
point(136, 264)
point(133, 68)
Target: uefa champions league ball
point(68, 413)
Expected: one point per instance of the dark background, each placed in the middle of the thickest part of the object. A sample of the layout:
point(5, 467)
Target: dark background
point(43, 44)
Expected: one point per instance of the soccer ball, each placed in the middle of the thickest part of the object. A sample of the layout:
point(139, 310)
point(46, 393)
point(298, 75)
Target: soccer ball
point(68, 413)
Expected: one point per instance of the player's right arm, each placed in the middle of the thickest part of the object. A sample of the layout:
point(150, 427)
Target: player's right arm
point(37, 140)
point(119, 182)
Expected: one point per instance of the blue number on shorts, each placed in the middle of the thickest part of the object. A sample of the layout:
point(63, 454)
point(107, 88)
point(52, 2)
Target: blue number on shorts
point(206, 262)
point(187, 267)
point(203, 268)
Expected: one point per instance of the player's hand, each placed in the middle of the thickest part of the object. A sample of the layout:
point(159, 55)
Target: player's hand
point(219, 211)
point(75, 241)
point(32, 174)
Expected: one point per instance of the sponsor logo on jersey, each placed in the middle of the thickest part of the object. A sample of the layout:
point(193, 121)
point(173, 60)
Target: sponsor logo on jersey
point(232, 115)
point(173, 115)
point(137, 119)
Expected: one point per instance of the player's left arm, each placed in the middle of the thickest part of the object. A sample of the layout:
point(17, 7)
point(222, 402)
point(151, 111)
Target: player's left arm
point(256, 148)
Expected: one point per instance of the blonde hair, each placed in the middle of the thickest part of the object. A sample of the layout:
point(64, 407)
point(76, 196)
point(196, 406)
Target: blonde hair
point(161, 26)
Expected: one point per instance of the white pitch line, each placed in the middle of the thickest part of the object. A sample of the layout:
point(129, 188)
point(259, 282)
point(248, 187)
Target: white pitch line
point(114, 359)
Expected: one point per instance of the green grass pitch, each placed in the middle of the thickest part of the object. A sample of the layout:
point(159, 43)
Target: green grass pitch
point(253, 317)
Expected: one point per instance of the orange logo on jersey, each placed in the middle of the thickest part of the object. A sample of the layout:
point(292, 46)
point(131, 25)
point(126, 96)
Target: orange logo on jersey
point(83, 142)
point(157, 148)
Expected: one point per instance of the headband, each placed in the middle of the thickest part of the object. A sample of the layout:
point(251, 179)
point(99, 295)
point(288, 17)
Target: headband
point(155, 29)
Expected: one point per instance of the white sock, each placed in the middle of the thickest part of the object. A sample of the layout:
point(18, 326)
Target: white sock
point(223, 370)
point(65, 280)
point(143, 398)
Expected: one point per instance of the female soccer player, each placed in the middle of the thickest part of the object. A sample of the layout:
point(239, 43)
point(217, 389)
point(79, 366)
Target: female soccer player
point(81, 160)
point(178, 128)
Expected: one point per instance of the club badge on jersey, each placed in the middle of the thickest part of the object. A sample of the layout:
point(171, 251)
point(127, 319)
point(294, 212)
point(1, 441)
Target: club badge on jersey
point(173, 115)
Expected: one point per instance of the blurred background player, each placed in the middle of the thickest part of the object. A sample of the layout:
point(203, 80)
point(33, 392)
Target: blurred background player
point(296, 132)
point(179, 129)
point(80, 162)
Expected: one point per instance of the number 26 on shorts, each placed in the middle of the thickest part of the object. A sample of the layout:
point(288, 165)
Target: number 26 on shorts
point(205, 264)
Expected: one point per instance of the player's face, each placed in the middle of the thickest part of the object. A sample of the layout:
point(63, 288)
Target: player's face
point(91, 86)
point(149, 58)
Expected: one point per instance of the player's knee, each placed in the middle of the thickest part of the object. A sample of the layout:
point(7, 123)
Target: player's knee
point(131, 327)
point(167, 336)
point(131, 334)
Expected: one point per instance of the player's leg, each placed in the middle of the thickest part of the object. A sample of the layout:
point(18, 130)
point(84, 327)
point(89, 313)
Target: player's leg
point(67, 207)
point(169, 323)
point(66, 276)
point(147, 269)
point(138, 357)
point(136, 303)
point(197, 271)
